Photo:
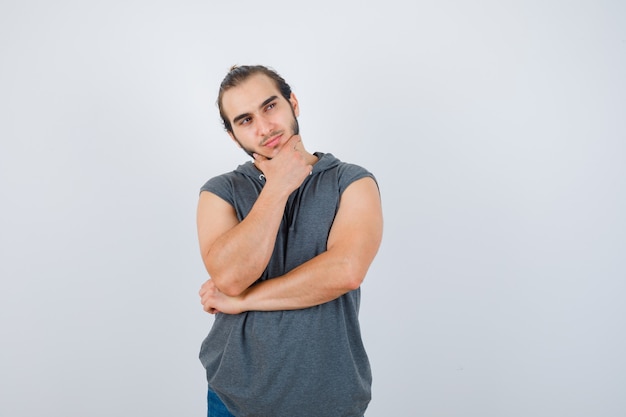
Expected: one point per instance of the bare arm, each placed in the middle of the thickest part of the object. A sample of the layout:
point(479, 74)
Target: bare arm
point(352, 244)
point(235, 253)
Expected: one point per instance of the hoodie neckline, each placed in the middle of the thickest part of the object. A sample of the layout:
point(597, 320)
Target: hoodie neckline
point(324, 162)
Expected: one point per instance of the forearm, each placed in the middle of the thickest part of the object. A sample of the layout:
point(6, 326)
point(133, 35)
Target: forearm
point(318, 281)
point(238, 257)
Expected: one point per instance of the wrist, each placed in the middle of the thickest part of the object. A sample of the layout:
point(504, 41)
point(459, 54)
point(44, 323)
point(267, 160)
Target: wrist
point(241, 302)
point(274, 191)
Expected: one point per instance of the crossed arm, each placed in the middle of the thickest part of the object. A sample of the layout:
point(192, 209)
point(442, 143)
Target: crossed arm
point(234, 260)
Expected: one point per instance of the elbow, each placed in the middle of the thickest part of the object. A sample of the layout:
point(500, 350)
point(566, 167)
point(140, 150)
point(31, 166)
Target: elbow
point(225, 282)
point(354, 283)
point(233, 291)
point(228, 286)
point(353, 276)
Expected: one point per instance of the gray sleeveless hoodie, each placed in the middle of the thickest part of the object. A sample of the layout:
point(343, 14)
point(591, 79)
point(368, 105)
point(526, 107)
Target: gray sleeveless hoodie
point(301, 363)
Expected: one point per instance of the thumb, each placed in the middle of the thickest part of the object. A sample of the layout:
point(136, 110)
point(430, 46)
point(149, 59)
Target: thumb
point(294, 139)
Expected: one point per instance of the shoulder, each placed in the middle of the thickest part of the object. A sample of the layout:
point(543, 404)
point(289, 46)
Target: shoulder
point(348, 173)
point(218, 181)
point(344, 173)
point(240, 186)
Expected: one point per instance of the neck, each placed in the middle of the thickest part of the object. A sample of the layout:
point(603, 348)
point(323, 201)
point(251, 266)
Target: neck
point(309, 157)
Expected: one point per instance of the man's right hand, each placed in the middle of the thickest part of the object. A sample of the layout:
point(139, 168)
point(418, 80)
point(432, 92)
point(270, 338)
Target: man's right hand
point(287, 170)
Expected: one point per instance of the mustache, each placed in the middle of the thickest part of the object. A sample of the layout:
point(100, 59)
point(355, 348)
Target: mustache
point(295, 127)
point(271, 135)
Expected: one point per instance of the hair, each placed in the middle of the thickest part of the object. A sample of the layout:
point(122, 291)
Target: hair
point(238, 74)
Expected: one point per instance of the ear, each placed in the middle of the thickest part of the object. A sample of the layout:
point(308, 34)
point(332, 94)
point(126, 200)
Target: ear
point(294, 104)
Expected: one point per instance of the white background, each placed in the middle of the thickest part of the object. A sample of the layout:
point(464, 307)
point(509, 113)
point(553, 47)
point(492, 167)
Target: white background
point(497, 133)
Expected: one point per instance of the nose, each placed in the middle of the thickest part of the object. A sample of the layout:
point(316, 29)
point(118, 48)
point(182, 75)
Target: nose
point(264, 126)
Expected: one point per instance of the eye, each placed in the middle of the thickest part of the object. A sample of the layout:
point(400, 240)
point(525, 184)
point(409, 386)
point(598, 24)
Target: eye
point(245, 121)
point(270, 106)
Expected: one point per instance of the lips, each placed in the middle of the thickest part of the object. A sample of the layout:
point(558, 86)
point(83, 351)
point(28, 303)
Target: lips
point(273, 141)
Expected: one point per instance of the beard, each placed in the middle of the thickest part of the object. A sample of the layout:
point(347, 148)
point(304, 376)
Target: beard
point(295, 126)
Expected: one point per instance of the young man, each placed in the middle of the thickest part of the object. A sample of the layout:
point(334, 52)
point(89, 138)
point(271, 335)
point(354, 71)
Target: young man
point(287, 240)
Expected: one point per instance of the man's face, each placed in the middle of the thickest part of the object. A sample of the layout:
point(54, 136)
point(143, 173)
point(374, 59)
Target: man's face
point(261, 118)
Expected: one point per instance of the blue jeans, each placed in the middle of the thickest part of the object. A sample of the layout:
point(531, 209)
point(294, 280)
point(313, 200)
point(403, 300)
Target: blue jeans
point(215, 406)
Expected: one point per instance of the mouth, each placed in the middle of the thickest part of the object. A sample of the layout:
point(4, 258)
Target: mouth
point(273, 140)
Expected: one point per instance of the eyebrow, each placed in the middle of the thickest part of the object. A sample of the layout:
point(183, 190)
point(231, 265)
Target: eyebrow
point(265, 103)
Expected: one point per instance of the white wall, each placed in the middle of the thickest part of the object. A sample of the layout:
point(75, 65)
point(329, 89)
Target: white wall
point(497, 133)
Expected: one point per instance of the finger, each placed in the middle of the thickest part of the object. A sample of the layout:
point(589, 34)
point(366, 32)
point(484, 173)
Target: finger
point(258, 158)
point(207, 305)
point(205, 300)
point(205, 285)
